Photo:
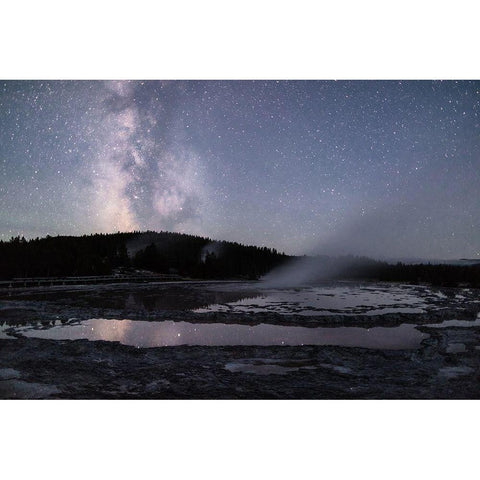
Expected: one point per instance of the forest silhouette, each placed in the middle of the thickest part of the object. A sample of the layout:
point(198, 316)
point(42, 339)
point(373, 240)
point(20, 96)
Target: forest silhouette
point(200, 258)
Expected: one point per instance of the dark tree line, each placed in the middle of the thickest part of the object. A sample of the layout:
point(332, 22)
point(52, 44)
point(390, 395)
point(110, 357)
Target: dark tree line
point(197, 257)
point(442, 275)
point(436, 274)
point(163, 252)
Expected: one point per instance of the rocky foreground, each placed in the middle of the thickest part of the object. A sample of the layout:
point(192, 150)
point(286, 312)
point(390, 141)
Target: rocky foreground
point(447, 365)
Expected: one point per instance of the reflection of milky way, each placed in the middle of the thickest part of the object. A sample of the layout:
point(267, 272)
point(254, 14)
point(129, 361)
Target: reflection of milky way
point(169, 333)
point(115, 332)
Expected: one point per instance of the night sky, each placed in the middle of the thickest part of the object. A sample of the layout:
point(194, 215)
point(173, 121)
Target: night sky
point(381, 168)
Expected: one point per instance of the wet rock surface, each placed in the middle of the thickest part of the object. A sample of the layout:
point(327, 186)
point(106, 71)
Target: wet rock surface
point(446, 365)
point(178, 302)
point(38, 368)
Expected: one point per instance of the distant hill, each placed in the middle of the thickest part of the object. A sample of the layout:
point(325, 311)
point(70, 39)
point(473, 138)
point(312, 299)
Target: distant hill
point(161, 252)
point(433, 261)
point(469, 261)
point(203, 258)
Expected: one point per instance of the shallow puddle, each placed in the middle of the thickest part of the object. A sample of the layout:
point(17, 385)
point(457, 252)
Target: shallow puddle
point(327, 300)
point(169, 333)
point(259, 368)
point(454, 372)
point(267, 366)
point(456, 323)
point(456, 348)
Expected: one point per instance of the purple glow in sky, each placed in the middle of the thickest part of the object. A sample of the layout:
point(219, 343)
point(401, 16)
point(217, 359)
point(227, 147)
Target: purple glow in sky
point(379, 168)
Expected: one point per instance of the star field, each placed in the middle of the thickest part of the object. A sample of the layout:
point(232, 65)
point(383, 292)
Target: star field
point(379, 168)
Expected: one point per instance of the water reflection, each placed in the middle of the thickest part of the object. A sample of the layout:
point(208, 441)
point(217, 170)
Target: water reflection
point(169, 333)
point(323, 300)
point(139, 297)
point(242, 297)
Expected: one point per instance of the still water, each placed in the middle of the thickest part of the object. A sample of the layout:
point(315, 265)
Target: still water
point(340, 298)
point(334, 299)
point(168, 333)
point(245, 297)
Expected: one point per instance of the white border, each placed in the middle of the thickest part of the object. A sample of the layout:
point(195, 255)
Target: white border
point(180, 39)
point(239, 439)
point(250, 39)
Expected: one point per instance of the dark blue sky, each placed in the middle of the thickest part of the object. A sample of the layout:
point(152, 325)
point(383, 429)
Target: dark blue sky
point(382, 168)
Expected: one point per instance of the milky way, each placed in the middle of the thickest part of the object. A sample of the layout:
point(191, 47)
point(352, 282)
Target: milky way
point(387, 169)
